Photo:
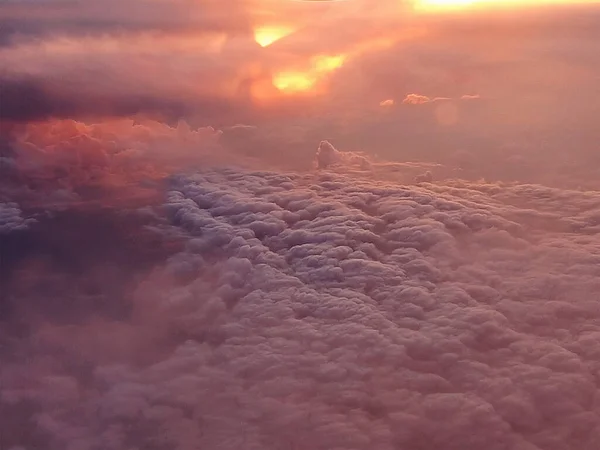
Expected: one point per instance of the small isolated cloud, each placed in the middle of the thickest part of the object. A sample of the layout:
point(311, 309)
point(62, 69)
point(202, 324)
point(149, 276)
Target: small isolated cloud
point(328, 156)
point(426, 177)
point(417, 99)
point(387, 103)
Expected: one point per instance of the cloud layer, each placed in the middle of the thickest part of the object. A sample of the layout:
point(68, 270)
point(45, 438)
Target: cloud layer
point(326, 311)
point(420, 276)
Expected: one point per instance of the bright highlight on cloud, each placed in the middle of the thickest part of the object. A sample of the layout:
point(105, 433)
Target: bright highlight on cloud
point(304, 81)
point(450, 4)
point(267, 35)
point(458, 5)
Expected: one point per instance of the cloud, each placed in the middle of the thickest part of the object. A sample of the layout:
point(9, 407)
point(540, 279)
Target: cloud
point(46, 18)
point(64, 163)
point(416, 99)
point(177, 290)
point(327, 155)
point(426, 177)
point(331, 311)
point(11, 218)
point(25, 100)
point(198, 61)
point(192, 59)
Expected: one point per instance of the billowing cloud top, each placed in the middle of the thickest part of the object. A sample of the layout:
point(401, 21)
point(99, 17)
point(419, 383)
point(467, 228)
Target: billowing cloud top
point(323, 311)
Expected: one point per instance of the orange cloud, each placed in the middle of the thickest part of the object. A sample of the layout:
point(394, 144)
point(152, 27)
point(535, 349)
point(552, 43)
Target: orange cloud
point(416, 99)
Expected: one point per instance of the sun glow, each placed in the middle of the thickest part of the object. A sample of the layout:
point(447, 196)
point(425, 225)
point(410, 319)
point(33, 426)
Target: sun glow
point(449, 5)
point(267, 35)
point(295, 82)
point(436, 5)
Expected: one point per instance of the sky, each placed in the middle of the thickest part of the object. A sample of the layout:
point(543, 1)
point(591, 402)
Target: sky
point(278, 224)
point(516, 74)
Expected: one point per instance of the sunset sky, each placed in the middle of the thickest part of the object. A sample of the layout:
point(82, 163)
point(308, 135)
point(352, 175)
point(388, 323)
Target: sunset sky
point(529, 70)
point(286, 224)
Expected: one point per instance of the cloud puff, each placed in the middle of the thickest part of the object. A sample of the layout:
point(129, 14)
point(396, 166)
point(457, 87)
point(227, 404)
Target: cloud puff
point(11, 218)
point(327, 156)
point(426, 177)
point(416, 99)
point(325, 311)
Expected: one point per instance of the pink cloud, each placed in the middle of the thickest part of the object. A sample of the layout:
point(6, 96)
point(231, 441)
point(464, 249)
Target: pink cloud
point(416, 99)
